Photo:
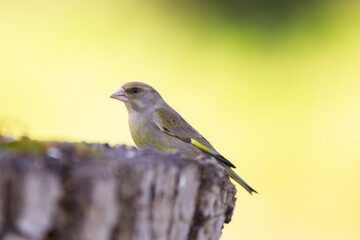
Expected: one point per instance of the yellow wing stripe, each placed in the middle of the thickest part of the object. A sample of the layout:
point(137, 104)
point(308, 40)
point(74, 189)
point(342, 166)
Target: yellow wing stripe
point(201, 146)
point(211, 152)
point(187, 140)
point(168, 132)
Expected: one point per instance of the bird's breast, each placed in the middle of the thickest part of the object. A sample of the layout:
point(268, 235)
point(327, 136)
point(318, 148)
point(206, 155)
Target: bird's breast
point(147, 135)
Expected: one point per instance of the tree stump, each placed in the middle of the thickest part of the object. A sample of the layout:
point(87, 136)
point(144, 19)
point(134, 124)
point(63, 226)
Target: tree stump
point(80, 191)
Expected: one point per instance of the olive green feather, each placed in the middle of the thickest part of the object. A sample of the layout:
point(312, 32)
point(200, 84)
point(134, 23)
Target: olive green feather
point(173, 124)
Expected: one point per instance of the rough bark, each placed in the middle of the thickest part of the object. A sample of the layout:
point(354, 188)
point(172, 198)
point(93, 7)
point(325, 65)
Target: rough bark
point(63, 191)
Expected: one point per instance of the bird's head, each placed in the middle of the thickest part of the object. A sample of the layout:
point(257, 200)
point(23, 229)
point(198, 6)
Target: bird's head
point(137, 96)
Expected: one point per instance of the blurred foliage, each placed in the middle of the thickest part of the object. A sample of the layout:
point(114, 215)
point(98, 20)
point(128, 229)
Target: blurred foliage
point(273, 85)
point(265, 14)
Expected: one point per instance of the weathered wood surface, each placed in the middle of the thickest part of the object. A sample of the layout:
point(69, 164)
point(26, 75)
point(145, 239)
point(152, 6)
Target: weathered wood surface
point(95, 192)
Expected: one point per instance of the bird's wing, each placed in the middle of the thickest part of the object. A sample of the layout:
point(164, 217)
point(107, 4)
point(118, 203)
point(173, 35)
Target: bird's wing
point(171, 123)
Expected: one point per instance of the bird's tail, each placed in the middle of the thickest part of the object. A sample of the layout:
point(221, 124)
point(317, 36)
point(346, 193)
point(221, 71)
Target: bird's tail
point(238, 179)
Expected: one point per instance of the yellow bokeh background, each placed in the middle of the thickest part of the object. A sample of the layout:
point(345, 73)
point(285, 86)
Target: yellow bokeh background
point(281, 102)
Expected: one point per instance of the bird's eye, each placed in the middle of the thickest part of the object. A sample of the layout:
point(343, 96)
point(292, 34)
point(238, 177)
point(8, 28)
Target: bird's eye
point(134, 90)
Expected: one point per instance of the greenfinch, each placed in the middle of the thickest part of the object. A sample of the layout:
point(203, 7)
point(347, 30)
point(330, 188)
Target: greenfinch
point(154, 124)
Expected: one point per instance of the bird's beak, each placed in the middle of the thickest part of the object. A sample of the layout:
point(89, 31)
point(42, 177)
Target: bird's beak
point(120, 95)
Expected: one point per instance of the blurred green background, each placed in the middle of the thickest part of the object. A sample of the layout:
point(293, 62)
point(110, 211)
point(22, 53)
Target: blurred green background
point(273, 85)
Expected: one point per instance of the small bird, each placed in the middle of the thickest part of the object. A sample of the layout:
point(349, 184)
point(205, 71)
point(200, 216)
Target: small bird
point(154, 124)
